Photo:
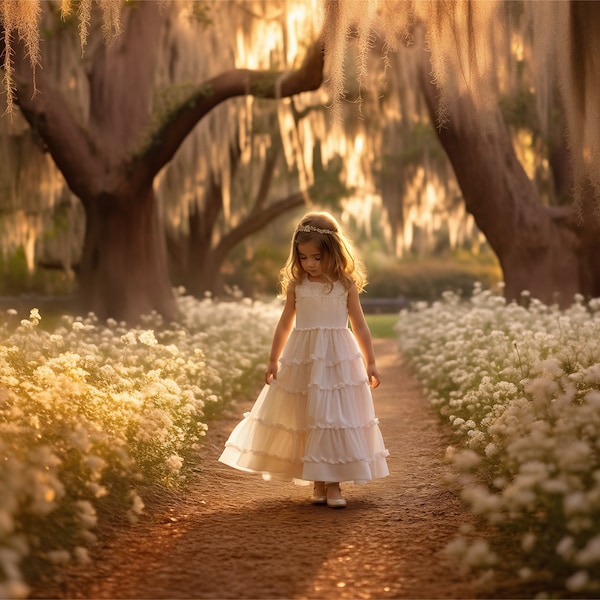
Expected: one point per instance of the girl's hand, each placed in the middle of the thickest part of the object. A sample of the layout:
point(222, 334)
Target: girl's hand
point(373, 375)
point(271, 372)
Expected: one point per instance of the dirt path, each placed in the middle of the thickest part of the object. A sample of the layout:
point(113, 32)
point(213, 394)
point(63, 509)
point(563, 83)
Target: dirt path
point(236, 536)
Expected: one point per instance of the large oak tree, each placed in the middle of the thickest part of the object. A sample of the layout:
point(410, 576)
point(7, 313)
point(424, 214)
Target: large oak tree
point(111, 162)
point(549, 250)
point(476, 52)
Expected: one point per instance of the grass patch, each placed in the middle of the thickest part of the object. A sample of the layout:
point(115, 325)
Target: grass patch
point(382, 325)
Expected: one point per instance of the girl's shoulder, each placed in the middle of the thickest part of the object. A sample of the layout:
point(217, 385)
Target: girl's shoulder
point(348, 282)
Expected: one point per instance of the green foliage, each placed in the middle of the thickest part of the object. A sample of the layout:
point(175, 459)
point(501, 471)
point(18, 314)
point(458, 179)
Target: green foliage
point(328, 188)
point(382, 325)
point(60, 221)
point(15, 278)
point(426, 279)
point(519, 110)
point(14, 265)
point(201, 13)
point(421, 141)
point(256, 272)
point(169, 101)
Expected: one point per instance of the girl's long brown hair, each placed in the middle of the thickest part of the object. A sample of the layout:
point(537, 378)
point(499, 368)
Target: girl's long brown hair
point(339, 261)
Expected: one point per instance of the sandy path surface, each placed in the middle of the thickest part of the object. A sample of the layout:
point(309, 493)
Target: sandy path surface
point(236, 536)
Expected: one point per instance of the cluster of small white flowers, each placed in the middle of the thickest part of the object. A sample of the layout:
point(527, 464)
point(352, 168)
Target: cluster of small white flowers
point(521, 389)
point(91, 413)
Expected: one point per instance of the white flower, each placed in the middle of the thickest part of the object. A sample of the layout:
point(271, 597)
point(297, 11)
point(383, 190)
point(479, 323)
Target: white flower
point(58, 557)
point(467, 460)
point(129, 338)
point(95, 463)
point(84, 394)
point(525, 573)
point(81, 555)
point(86, 514)
point(479, 554)
point(578, 582)
point(137, 507)
point(528, 542)
point(147, 338)
point(491, 449)
point(566, 547)
point(575, 457)
point(174, 462)
point(97, 490)
point(590, 555)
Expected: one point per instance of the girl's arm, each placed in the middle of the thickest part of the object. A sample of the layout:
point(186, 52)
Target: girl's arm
point(363, 335)
point(282, 332)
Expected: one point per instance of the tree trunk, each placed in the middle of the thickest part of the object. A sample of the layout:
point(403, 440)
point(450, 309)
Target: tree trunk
point(202, 273)
point(539, 248)
point(586, 224)
point(124, 256)
point(205, 257)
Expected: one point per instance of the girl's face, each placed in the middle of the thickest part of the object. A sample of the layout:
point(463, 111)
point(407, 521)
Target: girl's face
point(310, 259)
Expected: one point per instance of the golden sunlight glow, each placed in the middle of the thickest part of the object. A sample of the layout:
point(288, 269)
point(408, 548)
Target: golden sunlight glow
point(471, 51)
point(517, 47)
point(523, 144)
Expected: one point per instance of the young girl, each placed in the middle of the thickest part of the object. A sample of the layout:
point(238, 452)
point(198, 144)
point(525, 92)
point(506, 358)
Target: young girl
point(314, 419)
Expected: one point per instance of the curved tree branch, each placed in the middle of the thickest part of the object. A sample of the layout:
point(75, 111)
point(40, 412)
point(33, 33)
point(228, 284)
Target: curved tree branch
point(237, 82)
point(255, 221)
point(59, 132)
point(266, 178)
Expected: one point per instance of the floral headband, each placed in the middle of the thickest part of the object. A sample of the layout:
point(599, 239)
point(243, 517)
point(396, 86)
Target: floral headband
point(309, 228)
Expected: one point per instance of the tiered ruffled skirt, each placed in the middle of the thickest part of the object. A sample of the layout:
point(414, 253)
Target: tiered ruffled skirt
point(316, 422)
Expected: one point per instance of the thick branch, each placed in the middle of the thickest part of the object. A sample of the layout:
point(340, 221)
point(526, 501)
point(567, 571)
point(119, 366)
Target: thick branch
point(237, 82)
point(62, 136)
point(496, 202)
point(255, 222)
point(266, 179)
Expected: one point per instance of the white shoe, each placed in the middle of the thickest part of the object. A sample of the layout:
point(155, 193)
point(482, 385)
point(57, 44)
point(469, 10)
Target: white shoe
point(319, 498)
point(335, 500)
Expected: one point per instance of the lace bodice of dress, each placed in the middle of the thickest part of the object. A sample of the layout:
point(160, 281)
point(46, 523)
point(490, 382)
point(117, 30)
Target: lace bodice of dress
point(318, 306)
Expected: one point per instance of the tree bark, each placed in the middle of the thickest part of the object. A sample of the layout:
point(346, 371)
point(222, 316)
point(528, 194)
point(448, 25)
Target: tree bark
point(124, 262)
point(540, 249)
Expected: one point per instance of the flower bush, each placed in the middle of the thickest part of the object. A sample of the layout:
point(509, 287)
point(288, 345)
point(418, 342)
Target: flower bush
point(91, 414)
point(520, 386)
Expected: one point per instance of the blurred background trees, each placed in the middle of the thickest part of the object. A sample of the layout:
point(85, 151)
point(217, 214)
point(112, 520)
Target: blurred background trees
point(184, 148)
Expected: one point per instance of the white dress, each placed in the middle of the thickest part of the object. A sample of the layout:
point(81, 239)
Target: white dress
point(316, 421)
